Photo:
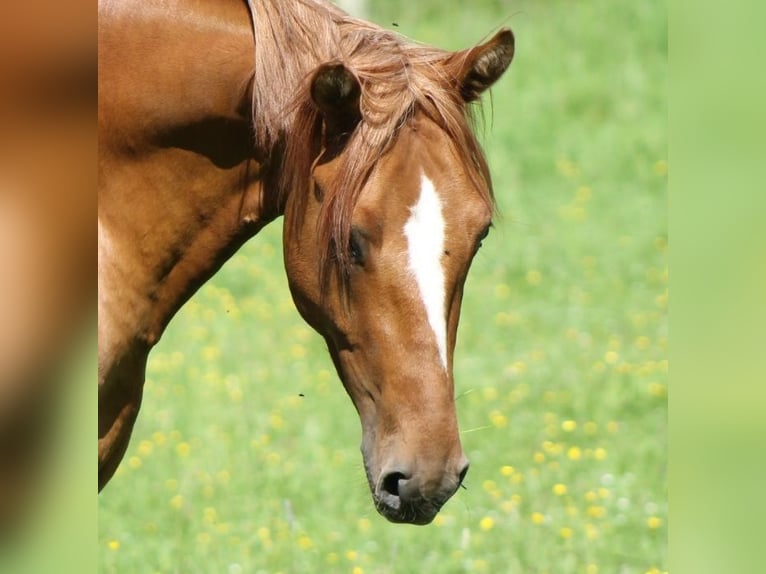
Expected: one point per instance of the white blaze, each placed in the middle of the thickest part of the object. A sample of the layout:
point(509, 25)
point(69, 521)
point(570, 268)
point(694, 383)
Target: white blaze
point(425, 241)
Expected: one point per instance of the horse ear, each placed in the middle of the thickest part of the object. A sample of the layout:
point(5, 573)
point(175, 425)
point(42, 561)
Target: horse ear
point(480, 67)
point(335, 91)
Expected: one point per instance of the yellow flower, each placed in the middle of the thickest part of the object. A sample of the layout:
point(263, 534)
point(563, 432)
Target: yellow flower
point(611, 357)
point(534, 277)
point(539, 457)
point(357, 570)
point(538, 518)
point(559, 489)
point(177, 502)
point(519, 367)
point(364, 523)
point(209, 515)
point(276, 421)
point(486, 523)
point(642, 342)
point(324, 375)
point(654, 522)
point(590, 428)
point(498, 419)
point(504, 319)
point(552, 448)
point(305, 543)
point(583, 194)
point(506, 470)
point(203, 538)
point(114, 545)
point(612, 427)
point(134, 462)
point(211, 353)
point(567, 167)
point(624, 368)
point(351, 555)
point(568, 426)
point(596, 511)
point(591, 569)
point(657, 390)
point(599, 453)
point(565, 533)
point(183, 449)
point(145, 448)
point(273, 458)
point(591, 532)
point(574, 453)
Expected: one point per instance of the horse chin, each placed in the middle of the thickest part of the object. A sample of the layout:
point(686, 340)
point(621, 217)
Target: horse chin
point(419, 511)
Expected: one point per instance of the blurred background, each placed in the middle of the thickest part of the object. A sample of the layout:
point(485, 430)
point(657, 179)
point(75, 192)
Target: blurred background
point(246, 453)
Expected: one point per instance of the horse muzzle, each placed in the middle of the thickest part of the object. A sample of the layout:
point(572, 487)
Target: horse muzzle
point(404, 496)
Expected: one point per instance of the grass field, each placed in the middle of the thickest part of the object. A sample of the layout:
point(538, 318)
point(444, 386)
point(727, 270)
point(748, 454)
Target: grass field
point(245, 458)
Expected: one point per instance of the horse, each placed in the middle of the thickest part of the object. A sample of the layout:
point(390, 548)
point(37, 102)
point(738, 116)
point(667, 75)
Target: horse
point(218, 116)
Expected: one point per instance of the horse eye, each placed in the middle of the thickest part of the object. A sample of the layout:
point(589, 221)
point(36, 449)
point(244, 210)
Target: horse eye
point(484, 234)
point(355, 249)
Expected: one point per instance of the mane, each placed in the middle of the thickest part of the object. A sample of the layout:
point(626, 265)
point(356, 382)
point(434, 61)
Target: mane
point(398, 77)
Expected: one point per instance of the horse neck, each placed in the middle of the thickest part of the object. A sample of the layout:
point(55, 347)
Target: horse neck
point(180, 188)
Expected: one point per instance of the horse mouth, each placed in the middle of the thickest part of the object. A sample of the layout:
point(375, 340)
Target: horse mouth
point(420, 511)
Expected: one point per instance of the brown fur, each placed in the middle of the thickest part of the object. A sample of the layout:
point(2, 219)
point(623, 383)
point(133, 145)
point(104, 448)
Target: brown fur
point(398, 77)
point(346, 118)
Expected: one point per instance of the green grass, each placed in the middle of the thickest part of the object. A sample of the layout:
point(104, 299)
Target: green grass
point(561, 365)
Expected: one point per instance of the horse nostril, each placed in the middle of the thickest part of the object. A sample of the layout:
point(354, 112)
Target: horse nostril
point(463, 472)
point(390, 482)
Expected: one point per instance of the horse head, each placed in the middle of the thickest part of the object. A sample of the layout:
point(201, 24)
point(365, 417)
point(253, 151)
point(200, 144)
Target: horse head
point(377, 249)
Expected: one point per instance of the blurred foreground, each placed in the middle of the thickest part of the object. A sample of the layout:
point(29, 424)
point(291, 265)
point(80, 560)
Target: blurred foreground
point(47, 260)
